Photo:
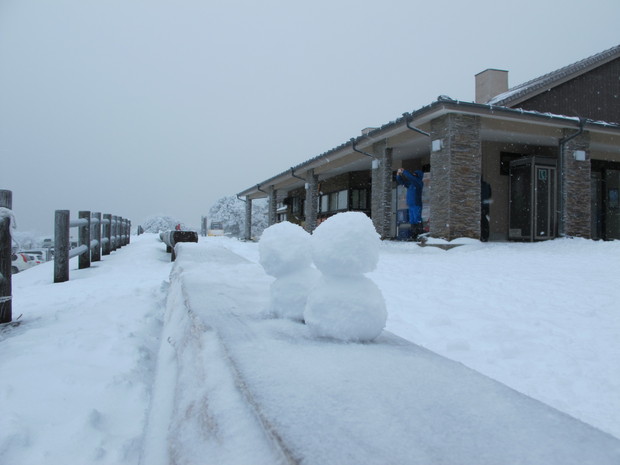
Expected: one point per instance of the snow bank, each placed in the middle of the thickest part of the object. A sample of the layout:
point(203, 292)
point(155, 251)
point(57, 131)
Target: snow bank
point(77, 374)
point(324, 402)
point(77, 371)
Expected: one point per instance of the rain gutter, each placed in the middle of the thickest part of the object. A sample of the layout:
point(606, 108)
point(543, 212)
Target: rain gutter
point(295, 176)
point(409, 118)
point(355, 149)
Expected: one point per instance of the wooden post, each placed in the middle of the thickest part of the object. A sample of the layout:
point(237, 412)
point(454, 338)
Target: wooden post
point(203, 227)
point(61, 246)
point(114, 233)
point(117, 232)
point(121, 231)
point(84, 239)
point(247, 233)
point(6, 309)
point(96, 236)
point(107, 234)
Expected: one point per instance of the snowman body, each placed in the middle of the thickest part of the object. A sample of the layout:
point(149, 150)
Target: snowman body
point(284, 251)
point(345, 304)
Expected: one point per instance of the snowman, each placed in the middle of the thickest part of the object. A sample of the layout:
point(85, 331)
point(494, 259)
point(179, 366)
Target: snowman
point(345, 304)
point(284, 253)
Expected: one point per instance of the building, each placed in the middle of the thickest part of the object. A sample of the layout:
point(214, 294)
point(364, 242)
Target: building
point(549, 148)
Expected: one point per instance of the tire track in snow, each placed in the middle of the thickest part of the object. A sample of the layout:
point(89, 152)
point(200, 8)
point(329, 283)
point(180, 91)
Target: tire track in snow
point(269, 430)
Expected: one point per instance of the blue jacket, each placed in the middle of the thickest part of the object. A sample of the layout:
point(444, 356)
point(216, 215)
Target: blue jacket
point(414, 184)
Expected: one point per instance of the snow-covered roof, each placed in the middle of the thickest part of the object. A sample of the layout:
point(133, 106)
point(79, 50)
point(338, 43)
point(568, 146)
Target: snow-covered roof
point(490, 110)
point(554, 78)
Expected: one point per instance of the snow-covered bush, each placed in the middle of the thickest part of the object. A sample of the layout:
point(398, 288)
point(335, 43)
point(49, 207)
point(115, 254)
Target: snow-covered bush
point(159, 223)
point(230, 211)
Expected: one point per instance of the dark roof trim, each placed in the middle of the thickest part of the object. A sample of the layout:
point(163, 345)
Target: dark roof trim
point(442, 105)
point(535, 86)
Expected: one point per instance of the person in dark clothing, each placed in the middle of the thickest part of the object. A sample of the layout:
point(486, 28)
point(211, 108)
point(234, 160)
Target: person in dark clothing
point(485, 209)
point(414, 184)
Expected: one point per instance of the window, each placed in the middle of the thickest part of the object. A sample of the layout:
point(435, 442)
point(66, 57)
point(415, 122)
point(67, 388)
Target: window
point(343, 200)
point(297, 206)
point(335, 201)
point(359, 199)
point(324, 203)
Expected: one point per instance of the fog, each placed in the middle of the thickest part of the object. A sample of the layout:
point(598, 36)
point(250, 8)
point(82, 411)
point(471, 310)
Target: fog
point(140, 108)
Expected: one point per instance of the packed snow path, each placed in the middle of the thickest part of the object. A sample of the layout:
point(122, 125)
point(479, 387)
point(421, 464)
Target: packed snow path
point(235, 387)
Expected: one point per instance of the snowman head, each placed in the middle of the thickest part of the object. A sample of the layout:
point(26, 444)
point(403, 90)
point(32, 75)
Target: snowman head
point(284, 248)
point(346, 244)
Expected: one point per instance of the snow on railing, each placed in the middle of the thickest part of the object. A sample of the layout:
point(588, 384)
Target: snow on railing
point(97, 236)
point(6, 218)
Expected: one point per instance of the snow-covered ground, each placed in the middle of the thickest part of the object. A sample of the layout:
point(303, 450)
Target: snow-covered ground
point(76, 376)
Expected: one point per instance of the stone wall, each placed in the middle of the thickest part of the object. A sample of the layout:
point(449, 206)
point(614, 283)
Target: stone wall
point(577, 203)
point(381, 192)
point(311, 201)
point(272, 206)
point(456, 167)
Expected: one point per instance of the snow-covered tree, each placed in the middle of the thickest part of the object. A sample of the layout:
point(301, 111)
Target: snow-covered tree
point(230, 211)
point(159, 223)
point(24, 240)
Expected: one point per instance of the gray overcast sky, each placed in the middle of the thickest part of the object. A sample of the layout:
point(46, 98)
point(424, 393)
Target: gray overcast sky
point(145, 107)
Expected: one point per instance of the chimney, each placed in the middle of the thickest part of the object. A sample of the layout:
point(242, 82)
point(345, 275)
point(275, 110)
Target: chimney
point(490, 83)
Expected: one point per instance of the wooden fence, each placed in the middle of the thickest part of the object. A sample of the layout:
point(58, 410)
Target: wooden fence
point(6, 311)
point(97, 235)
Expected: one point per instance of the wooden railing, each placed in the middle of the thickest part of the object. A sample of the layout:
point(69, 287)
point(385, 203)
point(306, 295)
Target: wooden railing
point(172, 238)
point(97, 236)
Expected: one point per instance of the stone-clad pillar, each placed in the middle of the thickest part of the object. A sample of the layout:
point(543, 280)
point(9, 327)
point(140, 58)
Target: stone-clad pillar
point(273, 205)
point(382, 191)
point(375, 195)
point(247, 233)
point(456, 168)
point(312, 200)
point(575, 190)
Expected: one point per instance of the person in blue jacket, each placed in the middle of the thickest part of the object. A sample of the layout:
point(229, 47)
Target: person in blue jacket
point(414, 184)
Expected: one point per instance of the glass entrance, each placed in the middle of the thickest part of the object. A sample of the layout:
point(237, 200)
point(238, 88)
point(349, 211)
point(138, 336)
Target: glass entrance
point(544, 197)
point(612, 204)
point(605, 188)
point(532, 210)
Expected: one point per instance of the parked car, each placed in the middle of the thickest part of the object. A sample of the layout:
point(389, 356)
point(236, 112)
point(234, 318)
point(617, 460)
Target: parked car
point(19, 262)
point(41, 254)
point(34, 259)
